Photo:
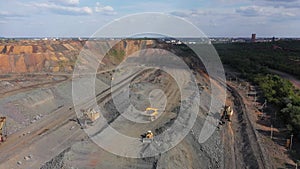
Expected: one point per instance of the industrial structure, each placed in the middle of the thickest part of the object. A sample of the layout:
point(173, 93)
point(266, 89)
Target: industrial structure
point(253, 37)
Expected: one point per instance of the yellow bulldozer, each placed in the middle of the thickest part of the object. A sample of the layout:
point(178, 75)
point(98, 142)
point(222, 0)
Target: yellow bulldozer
point(147, 137)
point(3, 132)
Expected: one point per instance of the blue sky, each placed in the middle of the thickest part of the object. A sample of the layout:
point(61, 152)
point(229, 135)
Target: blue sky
point(81, 18)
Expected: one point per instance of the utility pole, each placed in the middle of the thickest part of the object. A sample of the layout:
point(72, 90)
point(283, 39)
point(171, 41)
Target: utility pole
point(271, 132)
point(291, 141)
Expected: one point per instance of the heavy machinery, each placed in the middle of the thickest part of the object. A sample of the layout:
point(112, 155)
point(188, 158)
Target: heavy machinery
point(227, 114)
point(147, 137)
point(88, 117)
point(3, 132)
point(92, 114)
point(151, 113)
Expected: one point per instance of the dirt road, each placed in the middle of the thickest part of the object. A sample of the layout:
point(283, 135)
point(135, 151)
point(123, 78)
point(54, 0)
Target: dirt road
point(246, 149)
point(35, 86)
point(34, 139)
point(235, 145)
point(291, 78)
point(189, 153)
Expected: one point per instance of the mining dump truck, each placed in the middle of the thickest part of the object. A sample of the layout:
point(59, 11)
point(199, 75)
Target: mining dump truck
point(151, 113)
point(88, 118)
point(147, 137)
point(92, 114)
point(3, 133)
point(227, 114)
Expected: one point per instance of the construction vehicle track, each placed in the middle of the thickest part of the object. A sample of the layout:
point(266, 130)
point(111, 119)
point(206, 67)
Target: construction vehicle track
point(27, 88)
point(250, 149)
point(61, 117)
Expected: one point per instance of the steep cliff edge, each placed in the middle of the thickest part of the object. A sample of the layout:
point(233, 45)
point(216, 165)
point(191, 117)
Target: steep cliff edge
point(59, 56)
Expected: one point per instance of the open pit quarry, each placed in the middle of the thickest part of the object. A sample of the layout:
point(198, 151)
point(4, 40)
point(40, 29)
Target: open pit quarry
point(43, 130)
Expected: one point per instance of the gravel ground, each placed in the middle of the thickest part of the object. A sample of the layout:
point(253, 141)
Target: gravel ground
point(189, 153)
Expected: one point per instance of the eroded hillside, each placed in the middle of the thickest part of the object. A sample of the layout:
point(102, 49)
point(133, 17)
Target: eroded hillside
point(59, 56)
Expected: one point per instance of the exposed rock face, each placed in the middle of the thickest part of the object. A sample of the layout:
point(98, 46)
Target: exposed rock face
point(59, 56)
point(36, 56)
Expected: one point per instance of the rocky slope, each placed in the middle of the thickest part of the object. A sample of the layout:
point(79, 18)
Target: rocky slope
point(59, 56)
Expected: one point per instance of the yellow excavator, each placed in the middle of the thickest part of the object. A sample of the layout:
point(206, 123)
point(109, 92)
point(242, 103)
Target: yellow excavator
point(227, 114)
point(147, 137)
point(152, 113)
point(3, 134)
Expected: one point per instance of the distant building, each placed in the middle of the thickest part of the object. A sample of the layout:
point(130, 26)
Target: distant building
point(253, 38)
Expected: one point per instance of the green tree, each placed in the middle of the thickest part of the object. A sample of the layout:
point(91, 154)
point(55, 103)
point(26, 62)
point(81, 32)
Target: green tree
point(292, 114)
point(275, 89)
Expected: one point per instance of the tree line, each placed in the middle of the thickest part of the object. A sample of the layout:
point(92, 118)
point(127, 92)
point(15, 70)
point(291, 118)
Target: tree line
point(252, 60)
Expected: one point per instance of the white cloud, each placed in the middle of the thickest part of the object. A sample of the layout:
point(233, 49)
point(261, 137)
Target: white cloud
point(257, 11)
point(104, 9)
point(66, 2)
point(199, 12)
point(180, 13)
point(279, 3)
point(64, 10)
point(3, 22)
point(264, 3)
point(5, 14)
point(251, 11)
point(192, 13)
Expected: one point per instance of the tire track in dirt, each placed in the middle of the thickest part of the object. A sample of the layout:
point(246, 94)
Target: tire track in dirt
point(228, 142)
point(55, 121)
point(35, 86)
point(245, 137)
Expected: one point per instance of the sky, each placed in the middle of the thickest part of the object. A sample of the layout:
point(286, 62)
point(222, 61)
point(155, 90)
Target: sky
point(216, 18)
